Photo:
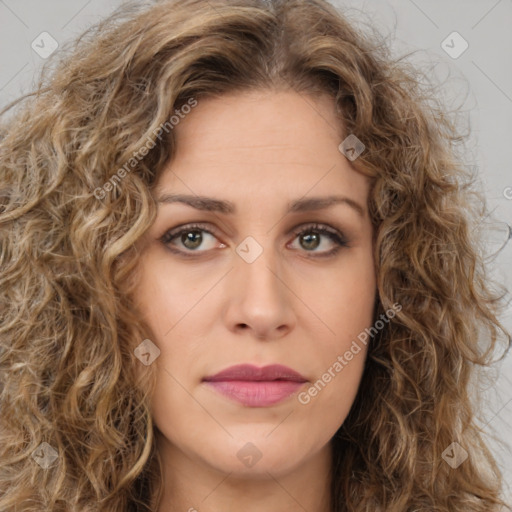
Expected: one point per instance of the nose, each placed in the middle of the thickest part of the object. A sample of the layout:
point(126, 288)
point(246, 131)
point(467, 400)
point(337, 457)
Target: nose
point(259, 298)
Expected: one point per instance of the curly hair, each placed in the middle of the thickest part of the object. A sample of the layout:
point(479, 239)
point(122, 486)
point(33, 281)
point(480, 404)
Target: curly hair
point(69, 254)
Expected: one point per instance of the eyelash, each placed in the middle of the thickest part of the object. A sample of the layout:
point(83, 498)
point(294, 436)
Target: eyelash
point(322, 229)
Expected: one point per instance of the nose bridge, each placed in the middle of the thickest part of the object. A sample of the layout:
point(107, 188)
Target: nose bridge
point(257, 266)
point(258, 295)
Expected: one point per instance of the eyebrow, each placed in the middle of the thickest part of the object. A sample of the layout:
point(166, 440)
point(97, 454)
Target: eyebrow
point(210, 204)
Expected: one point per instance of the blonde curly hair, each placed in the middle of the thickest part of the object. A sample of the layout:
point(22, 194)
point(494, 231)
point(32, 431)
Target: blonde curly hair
point(69, 377)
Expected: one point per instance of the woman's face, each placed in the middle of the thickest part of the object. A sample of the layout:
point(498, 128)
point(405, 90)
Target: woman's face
point(257, 283)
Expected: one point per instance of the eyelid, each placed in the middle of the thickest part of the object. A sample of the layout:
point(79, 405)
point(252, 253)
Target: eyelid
point(315, 226)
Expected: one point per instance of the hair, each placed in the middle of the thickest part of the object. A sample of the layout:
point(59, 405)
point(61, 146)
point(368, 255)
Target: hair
point(68, 254)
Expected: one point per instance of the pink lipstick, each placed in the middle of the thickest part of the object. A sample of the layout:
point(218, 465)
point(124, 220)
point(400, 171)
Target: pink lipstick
point(256, 387)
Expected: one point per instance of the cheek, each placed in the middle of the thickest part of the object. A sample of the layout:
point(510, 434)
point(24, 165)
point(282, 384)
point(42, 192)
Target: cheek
point(162, 298)
point(345, 305)
point(329, 398)
point(343, 301)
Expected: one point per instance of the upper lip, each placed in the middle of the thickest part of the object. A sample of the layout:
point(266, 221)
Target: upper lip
point(249, 372)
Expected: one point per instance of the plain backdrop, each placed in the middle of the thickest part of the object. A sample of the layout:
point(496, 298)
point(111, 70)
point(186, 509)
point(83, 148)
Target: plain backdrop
point(474, 66)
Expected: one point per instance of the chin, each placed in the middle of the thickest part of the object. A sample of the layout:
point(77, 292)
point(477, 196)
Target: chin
point(255, 457)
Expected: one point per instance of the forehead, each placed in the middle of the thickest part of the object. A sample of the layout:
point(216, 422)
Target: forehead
point(261, 143)
point(244, 121)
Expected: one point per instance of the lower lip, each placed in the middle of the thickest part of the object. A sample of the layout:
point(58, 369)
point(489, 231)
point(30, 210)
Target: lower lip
point(256, 393)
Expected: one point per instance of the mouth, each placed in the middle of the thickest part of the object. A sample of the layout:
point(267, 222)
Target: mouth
point(256, 387)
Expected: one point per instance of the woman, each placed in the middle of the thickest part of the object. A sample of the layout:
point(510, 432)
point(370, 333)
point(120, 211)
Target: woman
point(239, 272)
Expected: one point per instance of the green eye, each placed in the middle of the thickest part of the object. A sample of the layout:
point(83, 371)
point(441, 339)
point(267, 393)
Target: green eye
point(191, 237)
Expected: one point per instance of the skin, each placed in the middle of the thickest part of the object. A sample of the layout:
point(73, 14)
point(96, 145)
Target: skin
point(260, 150)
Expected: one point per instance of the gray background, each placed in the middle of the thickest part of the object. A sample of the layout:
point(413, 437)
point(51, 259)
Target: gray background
point(479, 81)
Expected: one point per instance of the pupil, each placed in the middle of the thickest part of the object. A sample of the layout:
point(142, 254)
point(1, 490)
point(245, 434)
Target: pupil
point(189, 237)
point(309, 238)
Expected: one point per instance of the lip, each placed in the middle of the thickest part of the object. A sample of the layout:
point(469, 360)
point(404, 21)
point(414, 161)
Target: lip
point(256, 387)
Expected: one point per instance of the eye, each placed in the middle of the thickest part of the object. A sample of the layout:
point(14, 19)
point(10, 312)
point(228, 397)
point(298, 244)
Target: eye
point(311, 238)
point(191, 238)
